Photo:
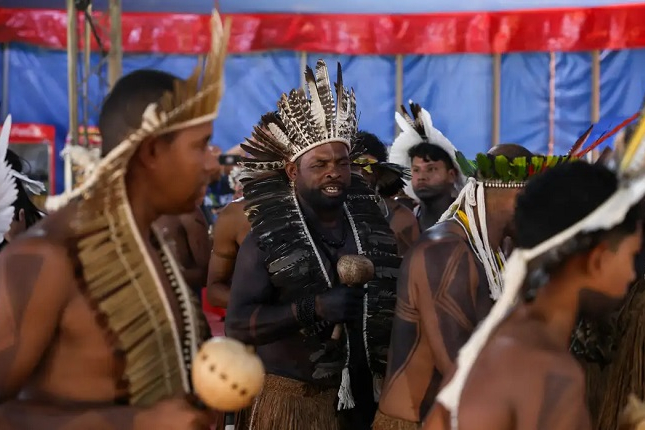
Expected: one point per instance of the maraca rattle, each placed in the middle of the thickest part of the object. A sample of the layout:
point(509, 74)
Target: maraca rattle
point(354, 271)
point(226, 374)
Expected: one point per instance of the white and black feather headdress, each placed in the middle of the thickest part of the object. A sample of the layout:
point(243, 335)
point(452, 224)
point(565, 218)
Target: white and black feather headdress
point(417, 128)
point(302, 124)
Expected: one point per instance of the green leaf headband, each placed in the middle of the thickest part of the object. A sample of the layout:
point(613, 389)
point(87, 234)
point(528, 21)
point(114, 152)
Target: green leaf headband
point(504, 172)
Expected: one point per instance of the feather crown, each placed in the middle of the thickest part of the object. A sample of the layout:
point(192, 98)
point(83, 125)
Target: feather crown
point(503, 172)
point(302, 124)
point(192, 102)
point(631, 189)
point(417, 128)
point(8, 190)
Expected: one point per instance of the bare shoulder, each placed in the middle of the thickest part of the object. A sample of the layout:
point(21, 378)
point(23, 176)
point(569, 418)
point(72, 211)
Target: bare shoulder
point(440, 244)
point(403, 212)
point(38, 248)
point(37, 271)
point(43, 250)
point(232, 223)
point(524, 367)
point(234, 210)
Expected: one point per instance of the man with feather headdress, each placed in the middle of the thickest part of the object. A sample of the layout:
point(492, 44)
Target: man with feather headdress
point(387, 180)
point(436, 174)
point(611, 349)
point(307, 211)
point(579, 229)
point(98, 329)
point(449, 281)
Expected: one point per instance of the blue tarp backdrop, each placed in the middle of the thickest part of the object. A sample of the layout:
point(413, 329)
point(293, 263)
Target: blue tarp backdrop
point(456, 89)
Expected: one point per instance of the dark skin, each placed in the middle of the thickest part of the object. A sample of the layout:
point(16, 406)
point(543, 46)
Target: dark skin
point(404, 225)
point(432, 182)
point(53, 354)
point(439, 303)
point(442, 294)
point(402, 220)
point(229, 232)
point(187, 235)
point(255, 315)
point(525, 378)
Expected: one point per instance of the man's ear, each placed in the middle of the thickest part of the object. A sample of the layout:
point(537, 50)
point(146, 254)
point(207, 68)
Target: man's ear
point(597, 257)
point(452, 175)
point(292, 170)
point(148, 151)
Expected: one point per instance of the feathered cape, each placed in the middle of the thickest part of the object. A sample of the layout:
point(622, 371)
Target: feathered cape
point(273, 215)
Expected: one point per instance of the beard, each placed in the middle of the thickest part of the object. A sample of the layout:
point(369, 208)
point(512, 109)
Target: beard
point(319, 200)
point(594, 306)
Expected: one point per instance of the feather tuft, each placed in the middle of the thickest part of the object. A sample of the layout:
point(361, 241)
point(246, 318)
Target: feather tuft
point(8, 190)
point(301, 124)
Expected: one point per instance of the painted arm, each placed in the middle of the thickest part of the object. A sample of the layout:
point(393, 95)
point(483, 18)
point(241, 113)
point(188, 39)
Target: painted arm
point(31, 304)
point(36, 283)
point(444, 291)
point(406, 229)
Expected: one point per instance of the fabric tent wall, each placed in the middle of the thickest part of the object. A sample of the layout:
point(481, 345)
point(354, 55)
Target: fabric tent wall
point(456, 89)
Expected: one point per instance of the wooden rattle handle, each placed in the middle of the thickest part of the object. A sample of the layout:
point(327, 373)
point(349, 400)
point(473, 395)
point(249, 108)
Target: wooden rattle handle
point(338, 329)
point(354, 271)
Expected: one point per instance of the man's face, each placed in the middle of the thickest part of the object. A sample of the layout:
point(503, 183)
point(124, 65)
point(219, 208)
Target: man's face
point(431, 178)
point(323, 175)
point(504, 206)
point(612, 271)
point(183, 169)
point(363, 166)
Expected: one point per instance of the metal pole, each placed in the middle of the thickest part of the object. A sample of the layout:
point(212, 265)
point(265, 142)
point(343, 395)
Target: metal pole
point(115, 64)
point(497, 82)
point(72, 73)
point(595, 86)
point(303, 66)
point(87, 71)
point(552, 77)
point(5, 81)
point(398, 85)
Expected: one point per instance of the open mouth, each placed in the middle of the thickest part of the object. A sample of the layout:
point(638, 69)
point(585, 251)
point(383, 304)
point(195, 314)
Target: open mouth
point(332, 191)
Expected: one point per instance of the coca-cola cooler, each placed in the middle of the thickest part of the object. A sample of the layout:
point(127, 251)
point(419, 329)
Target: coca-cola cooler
point(35, 144)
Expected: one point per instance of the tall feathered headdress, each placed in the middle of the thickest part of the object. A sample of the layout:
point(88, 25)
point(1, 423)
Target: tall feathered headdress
point(417, 128)
point(192, 102)
point(302, 124)
point(8, 190)
point(119, 277)
point(631, 173)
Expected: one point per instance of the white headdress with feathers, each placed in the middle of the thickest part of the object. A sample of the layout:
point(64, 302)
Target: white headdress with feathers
point(8, 190)
point(302, 124)
point(415, 129)
point(609, 214)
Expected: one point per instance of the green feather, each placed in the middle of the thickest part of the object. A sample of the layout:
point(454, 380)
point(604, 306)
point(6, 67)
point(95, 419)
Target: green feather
point(519, 170)
point(468, 167)
point(502, 168)
point(484, 165)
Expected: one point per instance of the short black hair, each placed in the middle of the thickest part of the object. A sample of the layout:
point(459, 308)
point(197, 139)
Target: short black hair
point(23, 202)
point(123, 108)
point(372, 145)
point(563, 195)
point(429, 152)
